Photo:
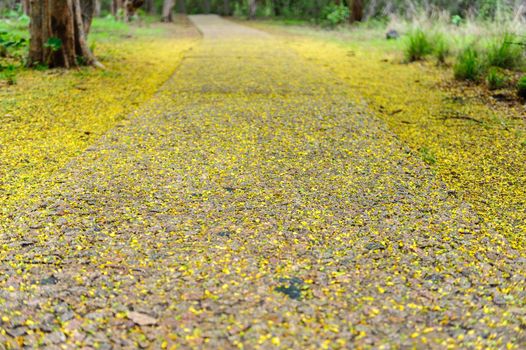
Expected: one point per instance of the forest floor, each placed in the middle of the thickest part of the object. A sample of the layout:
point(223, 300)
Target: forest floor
point(48, 117)
point(472, 138)
point(267, 197)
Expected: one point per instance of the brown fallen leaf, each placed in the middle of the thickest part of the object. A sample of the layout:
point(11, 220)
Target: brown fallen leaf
point(141, 319)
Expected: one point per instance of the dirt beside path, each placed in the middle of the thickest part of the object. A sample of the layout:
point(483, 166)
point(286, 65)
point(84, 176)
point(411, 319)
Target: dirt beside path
point(253, 205)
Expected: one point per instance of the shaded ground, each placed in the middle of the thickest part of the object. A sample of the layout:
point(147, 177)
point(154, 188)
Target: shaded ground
point(253, 204)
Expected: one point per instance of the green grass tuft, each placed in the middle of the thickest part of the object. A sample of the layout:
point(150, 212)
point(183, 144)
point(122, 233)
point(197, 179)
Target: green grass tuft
point(441, 50)
point(506, 52)
point(495, 79)
point(469, 65)
point(9, 74)
point(418, 46)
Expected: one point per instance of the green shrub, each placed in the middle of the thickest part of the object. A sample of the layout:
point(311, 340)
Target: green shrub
point(441, 50)
point(521, 87)
point(8, 74)
point(468, 66)
point(456, 20)
point(495, 79)
point(11, 43)
point(505, 52)
point(333, 14)
point(418, 46)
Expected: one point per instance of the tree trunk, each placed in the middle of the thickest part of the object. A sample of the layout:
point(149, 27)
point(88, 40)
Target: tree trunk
point(252, 7)
point(356, 10)
point(181, 6)
point(206, 6)
point(26, 7)
point(87, 10)
point(131, 7)
point(167, 15)
point(57, 32)
point(97, 8)
point(277, 7)
point(226, 8)
point(149, 6)
point(116, 5)
point(318, 8)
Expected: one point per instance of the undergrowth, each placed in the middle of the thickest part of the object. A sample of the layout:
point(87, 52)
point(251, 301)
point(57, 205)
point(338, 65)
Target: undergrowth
point(494, 61)
point(505, 51)
point(418, 46)
point(495, 78)
point(469, 65)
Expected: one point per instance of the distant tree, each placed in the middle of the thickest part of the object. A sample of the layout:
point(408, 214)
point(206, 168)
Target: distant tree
point(356, 10)
point(87, 11)
point(252, 7)
point(181, 6)
point(149, 6)
point(130, 8)
point(226, 7)
point(167, 15)
point(98, 6)
point(25, 6)
point(116, 7)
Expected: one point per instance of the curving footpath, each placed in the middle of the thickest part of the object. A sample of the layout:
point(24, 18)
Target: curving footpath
point(252, 205)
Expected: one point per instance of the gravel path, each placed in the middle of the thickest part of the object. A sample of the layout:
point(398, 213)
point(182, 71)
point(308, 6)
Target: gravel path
point(252, 205)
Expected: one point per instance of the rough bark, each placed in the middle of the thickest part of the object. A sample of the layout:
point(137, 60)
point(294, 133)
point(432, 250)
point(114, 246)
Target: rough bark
point(87, 9)
point(37, 31)
point(206, 6)
point(62, 21)
point(356, 10)
point(167, 15)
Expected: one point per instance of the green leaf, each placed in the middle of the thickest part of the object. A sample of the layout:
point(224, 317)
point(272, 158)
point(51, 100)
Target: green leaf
point(53, 43)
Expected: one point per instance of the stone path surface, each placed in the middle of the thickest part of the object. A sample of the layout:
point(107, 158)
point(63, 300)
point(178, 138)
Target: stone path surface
point(251, 205)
